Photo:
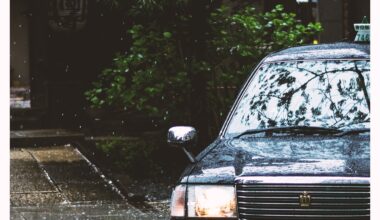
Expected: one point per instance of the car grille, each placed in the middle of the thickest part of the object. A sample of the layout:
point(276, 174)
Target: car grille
point(281, 201)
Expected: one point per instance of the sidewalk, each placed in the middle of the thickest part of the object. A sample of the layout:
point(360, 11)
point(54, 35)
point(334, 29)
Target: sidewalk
point(60, 183)
point(43, 137)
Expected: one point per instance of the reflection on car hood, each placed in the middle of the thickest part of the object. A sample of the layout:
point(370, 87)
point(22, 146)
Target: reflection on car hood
point(283, 156)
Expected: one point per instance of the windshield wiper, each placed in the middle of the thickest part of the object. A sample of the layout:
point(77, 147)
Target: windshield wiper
point(353, 131)
point(292, 130)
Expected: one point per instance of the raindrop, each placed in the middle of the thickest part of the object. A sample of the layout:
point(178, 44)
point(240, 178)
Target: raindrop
point(19, 76)
point(67, 68)
point(14, 42)
point(121, 38)
point(130, 194)
point(113, 133)
point(232, 50)
point(62, 114)
point(20, 25)
point(122, 121)
point(75, 115)
point(24, 61)
point(80, 126)
point(101, 15)
point(92, 137)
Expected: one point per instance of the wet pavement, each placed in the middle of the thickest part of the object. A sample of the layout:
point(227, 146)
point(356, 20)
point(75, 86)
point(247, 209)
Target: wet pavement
point(60, 183)
point(44, 137)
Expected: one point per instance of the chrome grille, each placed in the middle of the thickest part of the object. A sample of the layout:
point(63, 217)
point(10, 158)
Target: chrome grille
point(281, 201)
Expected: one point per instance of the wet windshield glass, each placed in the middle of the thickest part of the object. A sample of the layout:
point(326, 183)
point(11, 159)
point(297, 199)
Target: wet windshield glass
point(322, 93)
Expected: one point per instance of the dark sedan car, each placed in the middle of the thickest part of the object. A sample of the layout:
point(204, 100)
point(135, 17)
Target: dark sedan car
point(294, 146)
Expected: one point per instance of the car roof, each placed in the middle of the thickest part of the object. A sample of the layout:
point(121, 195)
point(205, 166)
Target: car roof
point(340, 50)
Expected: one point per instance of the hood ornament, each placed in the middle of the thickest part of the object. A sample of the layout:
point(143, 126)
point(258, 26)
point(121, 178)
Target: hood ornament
point(305, 199)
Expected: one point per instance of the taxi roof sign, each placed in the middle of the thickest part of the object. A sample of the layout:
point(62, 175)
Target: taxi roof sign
point(363, 30)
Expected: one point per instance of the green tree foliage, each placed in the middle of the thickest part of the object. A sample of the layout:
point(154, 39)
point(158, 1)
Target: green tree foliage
point(147, 78)
point(181, 68)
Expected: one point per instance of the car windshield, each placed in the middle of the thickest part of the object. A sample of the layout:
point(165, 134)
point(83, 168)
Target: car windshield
point(319, 93)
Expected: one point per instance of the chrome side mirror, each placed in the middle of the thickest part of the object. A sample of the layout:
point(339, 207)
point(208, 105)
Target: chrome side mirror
point(184, 137)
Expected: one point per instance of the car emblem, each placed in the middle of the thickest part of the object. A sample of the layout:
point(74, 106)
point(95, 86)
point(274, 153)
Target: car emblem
point(305, 199)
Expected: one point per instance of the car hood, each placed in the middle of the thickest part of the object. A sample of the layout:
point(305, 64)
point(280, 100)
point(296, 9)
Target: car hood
point(227, 159)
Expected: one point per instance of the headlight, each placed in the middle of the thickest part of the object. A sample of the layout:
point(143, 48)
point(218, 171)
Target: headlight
point(211, 201)
point(177, 207)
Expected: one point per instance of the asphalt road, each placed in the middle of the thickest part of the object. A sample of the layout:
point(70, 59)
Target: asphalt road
point(60, 183)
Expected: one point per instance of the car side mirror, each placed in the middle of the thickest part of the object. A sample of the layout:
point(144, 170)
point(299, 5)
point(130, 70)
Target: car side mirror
point(184, 137)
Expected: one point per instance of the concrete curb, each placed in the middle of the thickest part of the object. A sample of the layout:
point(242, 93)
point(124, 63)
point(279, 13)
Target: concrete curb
point(44, 137)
